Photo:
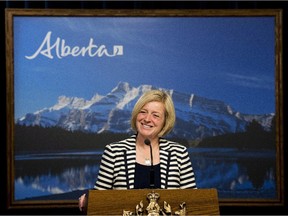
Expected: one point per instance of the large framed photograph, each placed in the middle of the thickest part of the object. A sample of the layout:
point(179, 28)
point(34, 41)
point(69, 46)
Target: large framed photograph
point(73, 77)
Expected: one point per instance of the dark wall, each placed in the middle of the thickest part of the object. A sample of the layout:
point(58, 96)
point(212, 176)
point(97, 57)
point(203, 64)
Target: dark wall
point(225, 210)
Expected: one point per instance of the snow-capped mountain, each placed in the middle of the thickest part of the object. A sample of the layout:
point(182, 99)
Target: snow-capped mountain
point(197, 117)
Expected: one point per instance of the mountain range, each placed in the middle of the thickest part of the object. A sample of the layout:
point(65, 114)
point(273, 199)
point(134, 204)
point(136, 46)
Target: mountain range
point(196, 117)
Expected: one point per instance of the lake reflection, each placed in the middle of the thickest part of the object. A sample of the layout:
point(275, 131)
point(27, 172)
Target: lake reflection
point(235, 174)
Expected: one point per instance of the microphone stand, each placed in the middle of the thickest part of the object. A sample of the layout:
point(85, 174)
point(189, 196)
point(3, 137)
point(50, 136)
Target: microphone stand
point(152, 185)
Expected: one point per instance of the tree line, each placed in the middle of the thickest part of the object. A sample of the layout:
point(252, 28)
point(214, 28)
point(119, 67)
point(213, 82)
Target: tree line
point(255, 137)
point(29, 139)
point(52, 139)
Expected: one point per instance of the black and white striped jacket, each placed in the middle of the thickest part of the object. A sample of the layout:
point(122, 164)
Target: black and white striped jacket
point(117, 168)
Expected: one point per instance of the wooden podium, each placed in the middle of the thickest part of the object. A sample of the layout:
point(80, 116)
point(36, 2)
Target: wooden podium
point(113, 202)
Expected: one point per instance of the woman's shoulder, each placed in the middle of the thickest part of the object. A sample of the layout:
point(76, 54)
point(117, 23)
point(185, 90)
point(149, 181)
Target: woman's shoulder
point(128, 144)
point(171, 145)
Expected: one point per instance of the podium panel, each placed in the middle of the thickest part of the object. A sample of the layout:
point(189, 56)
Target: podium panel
point(114, 202)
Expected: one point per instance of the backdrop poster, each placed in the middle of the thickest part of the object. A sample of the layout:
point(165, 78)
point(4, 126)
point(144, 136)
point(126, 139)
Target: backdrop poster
point(73, 81)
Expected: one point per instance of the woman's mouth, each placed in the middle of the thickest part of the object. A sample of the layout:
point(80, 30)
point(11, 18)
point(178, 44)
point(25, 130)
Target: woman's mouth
point(146, 126)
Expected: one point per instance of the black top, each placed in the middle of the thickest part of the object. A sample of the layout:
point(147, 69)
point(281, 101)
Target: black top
point(142, 176)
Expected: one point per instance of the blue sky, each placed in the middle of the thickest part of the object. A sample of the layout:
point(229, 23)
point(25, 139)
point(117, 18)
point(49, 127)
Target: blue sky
point(231, 59)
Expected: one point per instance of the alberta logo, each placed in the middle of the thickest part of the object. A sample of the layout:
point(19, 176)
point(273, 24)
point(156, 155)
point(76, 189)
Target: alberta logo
point(59, 49)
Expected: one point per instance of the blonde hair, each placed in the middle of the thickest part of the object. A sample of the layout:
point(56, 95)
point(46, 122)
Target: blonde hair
point(159, 96)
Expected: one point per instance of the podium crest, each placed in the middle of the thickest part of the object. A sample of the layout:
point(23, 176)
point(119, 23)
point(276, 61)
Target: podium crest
point(154, 209)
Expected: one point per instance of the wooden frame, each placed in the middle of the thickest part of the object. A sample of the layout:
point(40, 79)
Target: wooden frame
point(13, 64)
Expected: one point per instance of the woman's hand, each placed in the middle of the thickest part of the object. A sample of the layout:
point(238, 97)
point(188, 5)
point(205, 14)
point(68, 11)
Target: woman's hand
point(82, 203)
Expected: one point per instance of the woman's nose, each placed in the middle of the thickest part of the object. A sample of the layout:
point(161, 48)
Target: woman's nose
point(147, 118)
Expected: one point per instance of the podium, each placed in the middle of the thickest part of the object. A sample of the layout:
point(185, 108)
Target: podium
point(116, 202)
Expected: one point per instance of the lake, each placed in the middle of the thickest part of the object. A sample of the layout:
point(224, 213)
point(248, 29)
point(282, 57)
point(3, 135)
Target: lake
point(235, 174)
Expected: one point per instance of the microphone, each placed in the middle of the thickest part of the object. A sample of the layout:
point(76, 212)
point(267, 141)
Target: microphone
point(152, 185)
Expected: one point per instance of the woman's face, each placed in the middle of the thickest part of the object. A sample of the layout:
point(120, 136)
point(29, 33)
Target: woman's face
point(150, 120)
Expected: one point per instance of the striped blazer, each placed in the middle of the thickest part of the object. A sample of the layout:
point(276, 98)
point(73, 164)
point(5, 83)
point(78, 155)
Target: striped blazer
point(117, 168)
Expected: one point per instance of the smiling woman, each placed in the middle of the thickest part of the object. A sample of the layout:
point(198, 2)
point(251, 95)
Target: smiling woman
point(124, 163)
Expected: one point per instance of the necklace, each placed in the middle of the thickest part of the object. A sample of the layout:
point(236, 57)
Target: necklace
point(147, 161)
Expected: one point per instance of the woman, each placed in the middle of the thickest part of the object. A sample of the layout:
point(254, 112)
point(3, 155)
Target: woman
point(127, 164)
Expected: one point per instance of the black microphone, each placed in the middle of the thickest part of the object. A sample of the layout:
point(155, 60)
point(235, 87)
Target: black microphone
point(152, 185)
